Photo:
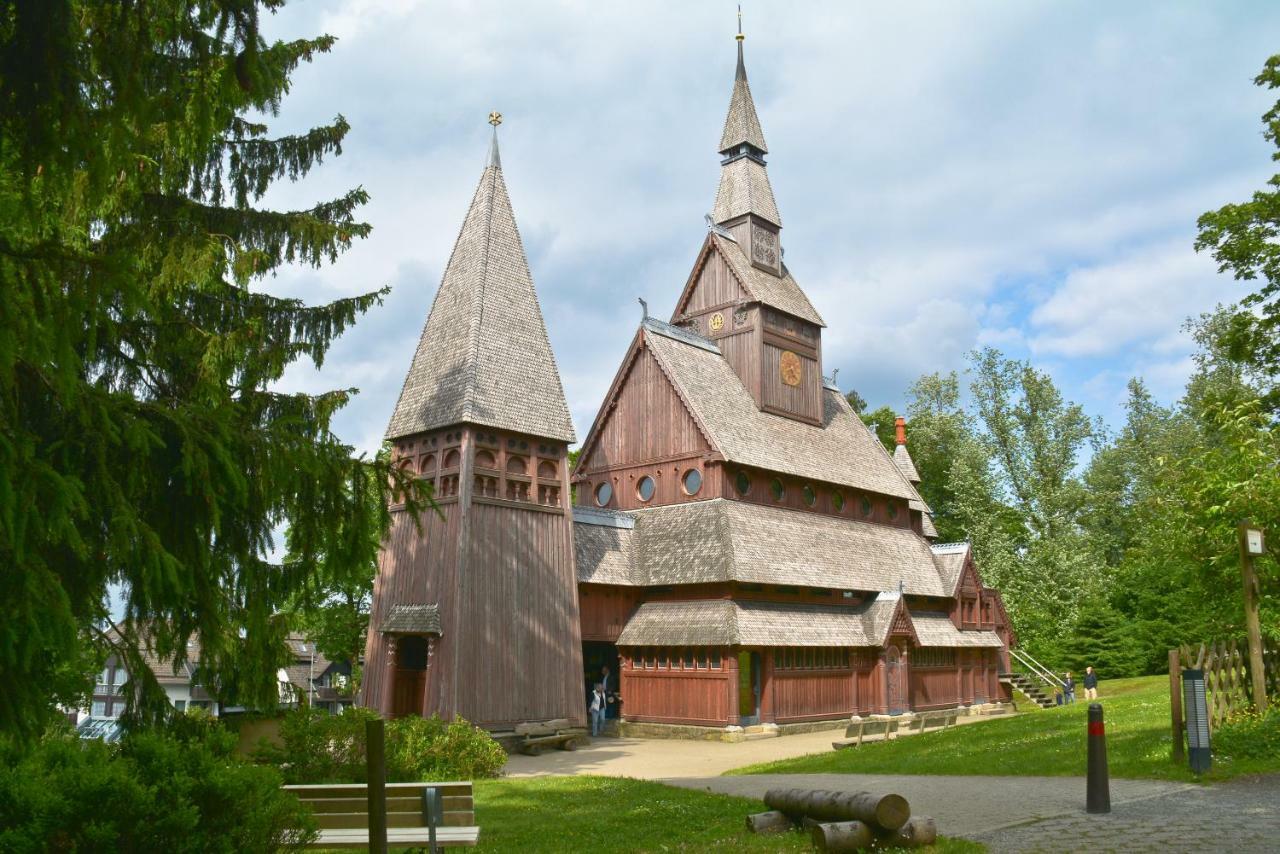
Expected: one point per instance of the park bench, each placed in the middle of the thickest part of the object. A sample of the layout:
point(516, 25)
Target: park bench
point(855, 732)
point(342, 811)
point(536, 737)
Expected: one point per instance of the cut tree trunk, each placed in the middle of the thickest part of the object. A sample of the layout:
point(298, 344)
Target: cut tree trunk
point(916, 833)
point(841, 836)
point(887, 812)
point(769, 822)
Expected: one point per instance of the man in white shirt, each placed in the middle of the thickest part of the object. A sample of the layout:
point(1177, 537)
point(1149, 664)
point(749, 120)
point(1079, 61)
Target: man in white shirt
point(597, 708)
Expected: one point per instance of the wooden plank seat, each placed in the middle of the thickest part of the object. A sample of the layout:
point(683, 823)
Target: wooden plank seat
point(342, 811)
point(855, 732)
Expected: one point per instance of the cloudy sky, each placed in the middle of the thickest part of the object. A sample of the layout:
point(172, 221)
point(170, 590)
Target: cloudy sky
point(950, 175)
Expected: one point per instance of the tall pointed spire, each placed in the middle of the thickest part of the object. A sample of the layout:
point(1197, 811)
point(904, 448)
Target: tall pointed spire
point(744, 184)
point(741, 125)
point(484, 357)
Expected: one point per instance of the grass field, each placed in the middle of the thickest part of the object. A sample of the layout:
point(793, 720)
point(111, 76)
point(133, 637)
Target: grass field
point(608, 814)
point(1049, 742)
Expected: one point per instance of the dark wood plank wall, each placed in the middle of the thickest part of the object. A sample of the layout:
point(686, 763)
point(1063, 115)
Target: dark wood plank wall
point(605, 610)
point(936, 687)
point(520, 653)
point(804, 400)
point(741, 349)
point(714, 286)
point(413, 568)
point(647, 422)
point(502, 573)
point(703, 698)
point(800, 695)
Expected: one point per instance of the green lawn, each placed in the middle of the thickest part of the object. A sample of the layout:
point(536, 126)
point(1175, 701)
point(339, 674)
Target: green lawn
point(1048, 742)
point(604, 814)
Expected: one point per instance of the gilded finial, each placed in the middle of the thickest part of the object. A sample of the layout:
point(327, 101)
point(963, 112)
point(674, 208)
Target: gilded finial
point(740, 36)
point(495, 118)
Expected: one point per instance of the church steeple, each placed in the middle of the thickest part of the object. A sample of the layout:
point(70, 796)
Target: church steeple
point(484, 357)
point(744, 201)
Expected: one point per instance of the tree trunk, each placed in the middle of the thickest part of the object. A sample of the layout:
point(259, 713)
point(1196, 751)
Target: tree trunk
point(769, 822)
point(888, 812)
point(841, 836)
point(916, 833)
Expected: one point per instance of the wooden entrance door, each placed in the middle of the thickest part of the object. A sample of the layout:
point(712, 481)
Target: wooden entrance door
point(410, 676)
point(895, 679)
point(748, 688)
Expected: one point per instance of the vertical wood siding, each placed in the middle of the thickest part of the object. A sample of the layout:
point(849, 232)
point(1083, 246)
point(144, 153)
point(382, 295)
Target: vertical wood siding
point(805, 399)
point(647, 422)
point(716, 285)
point(688, 698)
point(933, 688)
point(605, 610)
point(812, 695)
point(742, 352)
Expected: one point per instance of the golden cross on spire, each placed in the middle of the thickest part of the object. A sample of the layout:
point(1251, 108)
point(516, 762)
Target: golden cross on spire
point(740, 36)
point(495, 119)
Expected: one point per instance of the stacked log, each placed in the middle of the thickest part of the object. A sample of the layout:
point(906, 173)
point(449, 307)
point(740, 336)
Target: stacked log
point(845, 821)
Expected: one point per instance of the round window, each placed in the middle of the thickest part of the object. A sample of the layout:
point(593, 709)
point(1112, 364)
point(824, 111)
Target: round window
point(743, 483)
point(778, 490)
point(692, 481)
point(644, 488)
point(809, 495)
point(837, 501)
point(866, 506)
point(604, 492)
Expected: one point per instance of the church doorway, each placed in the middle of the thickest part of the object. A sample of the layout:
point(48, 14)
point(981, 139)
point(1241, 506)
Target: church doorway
point(748, 688)
point(596, 656)
point(411, 676)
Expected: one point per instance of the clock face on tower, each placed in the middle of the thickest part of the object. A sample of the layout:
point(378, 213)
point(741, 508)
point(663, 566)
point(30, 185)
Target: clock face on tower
point(790, 368)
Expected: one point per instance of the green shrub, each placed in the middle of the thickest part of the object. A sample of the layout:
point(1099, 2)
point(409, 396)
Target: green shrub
point(1248, 735)
point(177, 790)
point(322, 748)
point(430, 749)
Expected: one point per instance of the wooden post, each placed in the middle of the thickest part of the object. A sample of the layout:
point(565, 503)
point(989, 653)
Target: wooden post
point(1175, 702)
point(376, 757)
point(1250, 578)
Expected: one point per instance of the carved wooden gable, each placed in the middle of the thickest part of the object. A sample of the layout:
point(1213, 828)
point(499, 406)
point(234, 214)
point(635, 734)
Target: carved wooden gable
point(901, 625)
point(712, 285)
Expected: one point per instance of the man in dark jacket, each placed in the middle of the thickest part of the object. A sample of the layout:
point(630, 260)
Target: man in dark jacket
point(1090, 684)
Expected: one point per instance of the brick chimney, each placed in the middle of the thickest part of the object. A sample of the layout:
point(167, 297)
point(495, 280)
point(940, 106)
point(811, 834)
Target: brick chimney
point(900, 426)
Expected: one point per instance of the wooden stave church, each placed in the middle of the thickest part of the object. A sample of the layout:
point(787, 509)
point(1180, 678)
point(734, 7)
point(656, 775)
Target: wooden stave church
point(743, 549)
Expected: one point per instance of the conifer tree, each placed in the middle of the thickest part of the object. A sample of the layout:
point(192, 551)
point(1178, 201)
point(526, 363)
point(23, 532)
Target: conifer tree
point(142, 443)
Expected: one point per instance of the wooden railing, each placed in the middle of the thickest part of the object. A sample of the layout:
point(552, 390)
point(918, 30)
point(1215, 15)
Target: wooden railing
point(1226, 676)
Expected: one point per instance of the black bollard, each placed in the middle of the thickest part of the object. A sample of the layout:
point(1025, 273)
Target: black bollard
point(1098, 798)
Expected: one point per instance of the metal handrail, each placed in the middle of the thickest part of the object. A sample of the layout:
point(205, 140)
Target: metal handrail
point(1044, 673)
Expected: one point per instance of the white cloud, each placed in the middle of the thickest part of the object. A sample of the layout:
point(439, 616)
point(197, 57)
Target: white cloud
point(1138, 299)
point(937, 167)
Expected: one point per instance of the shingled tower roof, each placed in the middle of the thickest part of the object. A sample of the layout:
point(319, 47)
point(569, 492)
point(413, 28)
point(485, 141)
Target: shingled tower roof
point(742, 124)
point(484, 357)
point(744, 184)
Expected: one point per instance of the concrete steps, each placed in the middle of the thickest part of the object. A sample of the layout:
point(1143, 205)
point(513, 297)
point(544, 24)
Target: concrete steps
point(1029, 688)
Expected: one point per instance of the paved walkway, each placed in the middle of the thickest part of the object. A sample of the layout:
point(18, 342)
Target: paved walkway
point(1242, 817)
point(659, 758)
point(962, 806)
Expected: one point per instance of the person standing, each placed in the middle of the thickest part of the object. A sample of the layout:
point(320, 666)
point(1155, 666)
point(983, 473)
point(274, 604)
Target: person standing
point(596, 709)
point(1090, 684)
point(1069, 688)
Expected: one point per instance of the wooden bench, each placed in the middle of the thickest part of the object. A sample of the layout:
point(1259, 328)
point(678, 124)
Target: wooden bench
point(855, 732)
point(536, 736)
point(342, 811)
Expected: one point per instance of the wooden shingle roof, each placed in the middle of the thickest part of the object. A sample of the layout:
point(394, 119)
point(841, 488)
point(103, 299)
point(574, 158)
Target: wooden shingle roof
point(412, 620)
point(840, 451)
point(741, 124)
point(745, 188)
point(724, 622)
point(727, 540)
point(484, 357)
point(936, 629)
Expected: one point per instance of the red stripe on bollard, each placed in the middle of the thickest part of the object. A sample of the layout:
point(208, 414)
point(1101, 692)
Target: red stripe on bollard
point(1096, 728)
